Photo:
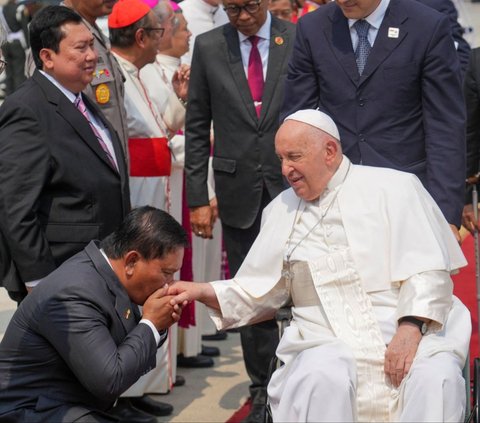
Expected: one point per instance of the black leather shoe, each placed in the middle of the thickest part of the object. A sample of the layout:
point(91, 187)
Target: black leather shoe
point(127, 413)
point(256, 415)
point(196, 361)
point(179, 381)
point(218, 336)
point(210, 351)
point(151, 406)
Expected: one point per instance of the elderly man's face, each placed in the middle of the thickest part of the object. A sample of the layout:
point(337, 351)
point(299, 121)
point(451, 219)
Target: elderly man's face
point(306, 156)
point(357, 9)
point(248, 23)
point(166, 41)
point(146, 276)
point(74, 63)
point(181, 37)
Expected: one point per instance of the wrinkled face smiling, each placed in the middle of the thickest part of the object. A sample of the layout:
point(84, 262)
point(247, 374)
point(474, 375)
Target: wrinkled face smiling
point(306, 155)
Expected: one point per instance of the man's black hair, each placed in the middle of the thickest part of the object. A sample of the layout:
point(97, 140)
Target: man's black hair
point(45, 30)
point(150, 231)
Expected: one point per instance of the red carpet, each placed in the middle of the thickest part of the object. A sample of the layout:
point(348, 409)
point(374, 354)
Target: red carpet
point(464, 288)
point(241, 413)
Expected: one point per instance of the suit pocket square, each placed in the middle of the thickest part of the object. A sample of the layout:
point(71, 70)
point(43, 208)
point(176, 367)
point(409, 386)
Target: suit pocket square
point(224, 165)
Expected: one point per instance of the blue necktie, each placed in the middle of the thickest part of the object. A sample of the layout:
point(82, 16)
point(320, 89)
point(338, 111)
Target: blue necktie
point(363, 47)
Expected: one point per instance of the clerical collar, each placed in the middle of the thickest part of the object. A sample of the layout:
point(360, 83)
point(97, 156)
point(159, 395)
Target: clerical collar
point(338, 177)
point(376, 17)
point(263, 32)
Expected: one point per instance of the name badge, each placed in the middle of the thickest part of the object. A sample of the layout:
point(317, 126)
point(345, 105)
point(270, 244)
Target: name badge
point(393, 32)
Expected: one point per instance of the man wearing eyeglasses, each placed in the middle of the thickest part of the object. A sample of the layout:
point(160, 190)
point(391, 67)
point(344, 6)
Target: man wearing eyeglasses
point(237, 80)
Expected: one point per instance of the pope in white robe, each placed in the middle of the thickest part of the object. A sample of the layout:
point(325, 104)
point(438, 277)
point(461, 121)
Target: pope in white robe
point(355, 250)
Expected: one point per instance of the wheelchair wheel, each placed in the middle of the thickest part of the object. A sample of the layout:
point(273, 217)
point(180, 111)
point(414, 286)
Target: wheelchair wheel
point(476, 391)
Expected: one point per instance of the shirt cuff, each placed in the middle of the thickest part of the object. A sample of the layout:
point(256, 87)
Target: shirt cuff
point(33, 284)
point(155, 332)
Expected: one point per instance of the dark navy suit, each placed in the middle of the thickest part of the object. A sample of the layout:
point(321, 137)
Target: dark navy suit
point(406, 111)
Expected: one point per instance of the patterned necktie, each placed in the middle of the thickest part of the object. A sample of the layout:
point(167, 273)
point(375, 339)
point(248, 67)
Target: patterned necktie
point(255, 74)
point(80, 105)
point(363, 47)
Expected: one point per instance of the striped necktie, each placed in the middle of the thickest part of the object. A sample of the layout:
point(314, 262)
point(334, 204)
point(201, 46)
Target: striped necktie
point(80, 105)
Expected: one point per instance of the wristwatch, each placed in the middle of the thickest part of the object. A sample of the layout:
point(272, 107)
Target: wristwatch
point(422, 326)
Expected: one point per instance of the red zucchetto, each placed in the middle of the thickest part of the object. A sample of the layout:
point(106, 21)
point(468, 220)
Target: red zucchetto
point(127, 12)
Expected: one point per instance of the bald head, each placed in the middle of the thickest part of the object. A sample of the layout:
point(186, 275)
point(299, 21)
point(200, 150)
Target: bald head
point(309, 154)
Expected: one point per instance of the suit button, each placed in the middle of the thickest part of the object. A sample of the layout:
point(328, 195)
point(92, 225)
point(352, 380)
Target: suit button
point(361, 137)
point(260, 133)
point(259, 167)
point(361, 102)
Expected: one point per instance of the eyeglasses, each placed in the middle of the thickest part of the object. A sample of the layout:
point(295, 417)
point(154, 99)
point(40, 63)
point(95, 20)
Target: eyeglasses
point(251, 8)
point(3, 65)
point(162, 30)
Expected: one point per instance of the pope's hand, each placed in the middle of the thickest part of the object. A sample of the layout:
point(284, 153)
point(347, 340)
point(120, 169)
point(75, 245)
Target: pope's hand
point(401, 352)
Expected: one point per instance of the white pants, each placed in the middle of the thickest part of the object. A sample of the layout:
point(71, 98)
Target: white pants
point(321, 387)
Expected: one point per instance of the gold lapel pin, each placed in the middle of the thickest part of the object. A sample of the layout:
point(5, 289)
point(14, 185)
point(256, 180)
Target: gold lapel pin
point(278, 41)
point(127, 313)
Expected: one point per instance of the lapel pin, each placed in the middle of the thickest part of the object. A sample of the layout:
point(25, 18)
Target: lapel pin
point(393, 32)
point(278, 41)
point(127, 313)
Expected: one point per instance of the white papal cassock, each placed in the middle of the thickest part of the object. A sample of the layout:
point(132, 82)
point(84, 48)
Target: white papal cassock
point(380, 250)
point(144, 122)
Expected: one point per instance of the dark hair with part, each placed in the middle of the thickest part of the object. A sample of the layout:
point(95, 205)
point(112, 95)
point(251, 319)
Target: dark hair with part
point(125, 37)
point(150, 231)
point(45, 30)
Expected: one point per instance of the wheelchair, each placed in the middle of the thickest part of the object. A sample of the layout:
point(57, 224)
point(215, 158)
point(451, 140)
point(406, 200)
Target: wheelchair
point(472, 409)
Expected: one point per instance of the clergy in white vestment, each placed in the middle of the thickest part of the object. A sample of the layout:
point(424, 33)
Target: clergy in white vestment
point(169, 96)
point(364, 256)
point(135, 44)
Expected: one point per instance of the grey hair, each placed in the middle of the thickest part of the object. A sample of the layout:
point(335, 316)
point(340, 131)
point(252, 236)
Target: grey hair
point(162, 11)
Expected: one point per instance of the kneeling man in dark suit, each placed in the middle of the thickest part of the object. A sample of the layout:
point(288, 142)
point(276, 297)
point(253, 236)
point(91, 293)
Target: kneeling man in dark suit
point(78, 340)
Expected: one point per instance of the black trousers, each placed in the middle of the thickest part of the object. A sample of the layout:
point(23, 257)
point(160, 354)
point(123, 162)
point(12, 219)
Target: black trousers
point(259, 341)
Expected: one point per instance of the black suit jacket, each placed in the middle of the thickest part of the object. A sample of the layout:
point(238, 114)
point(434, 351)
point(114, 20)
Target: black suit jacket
point(73, 345)
point(244, 158)
point(406, 111)
point(58, 190)
point(472, 98)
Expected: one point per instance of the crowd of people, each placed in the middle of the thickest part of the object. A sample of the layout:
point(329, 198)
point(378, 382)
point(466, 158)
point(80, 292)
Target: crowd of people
point(134, 159)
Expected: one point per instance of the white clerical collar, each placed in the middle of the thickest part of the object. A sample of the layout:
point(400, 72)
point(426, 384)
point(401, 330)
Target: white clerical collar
point(339, 176)
point(71, 96)
point(376, 17)
point(263, 32)
point(168, 60)
point(127, 65)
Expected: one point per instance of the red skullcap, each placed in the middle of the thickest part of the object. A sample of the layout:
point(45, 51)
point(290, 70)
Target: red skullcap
point(127, 12)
